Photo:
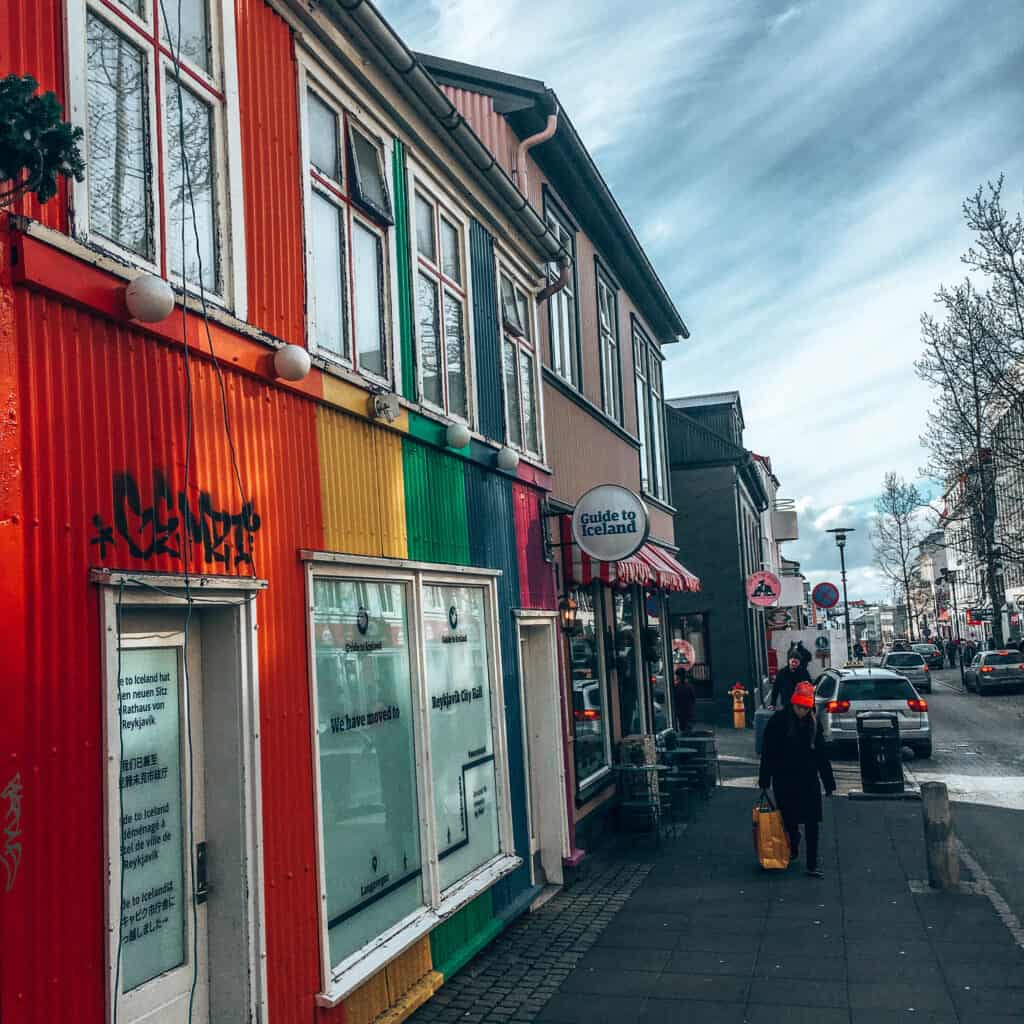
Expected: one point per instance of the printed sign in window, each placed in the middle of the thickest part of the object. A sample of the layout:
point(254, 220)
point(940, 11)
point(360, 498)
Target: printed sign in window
point(367, 760)
point(461, 731)
point(152, 836)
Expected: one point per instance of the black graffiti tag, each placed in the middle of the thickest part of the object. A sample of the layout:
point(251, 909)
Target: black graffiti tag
point(169, 522)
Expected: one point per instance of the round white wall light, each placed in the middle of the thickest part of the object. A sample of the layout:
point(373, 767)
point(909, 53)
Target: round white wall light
point(292, 362)
point(457, 435)
point(507, 460)
point(149, 298)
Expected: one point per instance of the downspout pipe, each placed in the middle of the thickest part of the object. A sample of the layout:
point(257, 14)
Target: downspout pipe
point(558, 284)
point(527, 144)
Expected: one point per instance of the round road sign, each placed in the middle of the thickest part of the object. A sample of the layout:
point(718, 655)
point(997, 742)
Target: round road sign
point(825, 595)
point(763, 589)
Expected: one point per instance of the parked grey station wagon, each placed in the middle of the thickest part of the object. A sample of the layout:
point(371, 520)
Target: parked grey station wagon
point(995, 670)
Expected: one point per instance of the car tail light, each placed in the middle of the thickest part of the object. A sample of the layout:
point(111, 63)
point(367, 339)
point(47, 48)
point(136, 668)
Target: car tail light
point(985, 668)
point(917, 704)
point(926, 667)
point(587, 715)
point(837, 707)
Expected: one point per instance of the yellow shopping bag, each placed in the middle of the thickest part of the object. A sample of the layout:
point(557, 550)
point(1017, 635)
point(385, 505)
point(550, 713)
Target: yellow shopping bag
point(771, 844)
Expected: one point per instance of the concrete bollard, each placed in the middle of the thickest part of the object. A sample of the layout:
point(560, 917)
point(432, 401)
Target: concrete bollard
point(939, 839)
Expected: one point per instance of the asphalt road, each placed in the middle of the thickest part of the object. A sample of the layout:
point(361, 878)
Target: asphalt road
point(978, 751)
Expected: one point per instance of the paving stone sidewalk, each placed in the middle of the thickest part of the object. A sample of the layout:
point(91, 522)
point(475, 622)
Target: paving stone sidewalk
point(695, 931)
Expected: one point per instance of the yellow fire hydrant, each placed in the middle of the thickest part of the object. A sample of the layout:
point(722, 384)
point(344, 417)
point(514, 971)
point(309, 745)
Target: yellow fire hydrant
point(739, 707)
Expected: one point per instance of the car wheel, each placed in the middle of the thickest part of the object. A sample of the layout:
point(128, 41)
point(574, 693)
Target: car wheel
point(923, 750)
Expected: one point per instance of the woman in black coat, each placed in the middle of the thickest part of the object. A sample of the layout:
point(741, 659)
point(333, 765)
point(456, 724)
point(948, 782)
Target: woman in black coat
point(793, 759)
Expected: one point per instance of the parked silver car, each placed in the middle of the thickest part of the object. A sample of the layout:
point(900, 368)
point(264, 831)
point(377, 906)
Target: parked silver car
point(842, 694)
point(911, 665)
point(995, 670)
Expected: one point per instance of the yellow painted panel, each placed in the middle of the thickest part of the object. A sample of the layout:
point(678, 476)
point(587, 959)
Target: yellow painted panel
point(361, 486)
point(408, 969)
point(368, 1001)
point(355, 399)
point(413, 999)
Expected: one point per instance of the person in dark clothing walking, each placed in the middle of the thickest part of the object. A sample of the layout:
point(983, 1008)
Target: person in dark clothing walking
point(801, 652)
point(793, 760)
point(684, 697)
point(786, 680)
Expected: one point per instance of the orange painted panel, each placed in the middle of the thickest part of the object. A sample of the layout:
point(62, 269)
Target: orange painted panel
point(274, 249)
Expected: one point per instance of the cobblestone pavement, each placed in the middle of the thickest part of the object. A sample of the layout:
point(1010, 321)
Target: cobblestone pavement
point(513, 978)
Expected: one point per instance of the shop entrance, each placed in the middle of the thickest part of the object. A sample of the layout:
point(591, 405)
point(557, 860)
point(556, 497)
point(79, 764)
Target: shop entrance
point(545, 767)
point(183, 861)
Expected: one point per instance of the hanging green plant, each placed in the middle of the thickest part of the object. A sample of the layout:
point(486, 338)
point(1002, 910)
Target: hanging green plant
point(36, 146)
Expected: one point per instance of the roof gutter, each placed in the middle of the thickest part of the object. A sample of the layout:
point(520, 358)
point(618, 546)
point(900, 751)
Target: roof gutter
point(401, 60)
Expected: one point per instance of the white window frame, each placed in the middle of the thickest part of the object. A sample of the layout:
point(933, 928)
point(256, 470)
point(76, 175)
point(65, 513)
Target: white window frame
point(218, 89)
point(644, 371)
point(446, 207)
point(350, 116)
point(609, 345)
point(526, 342)
point(569, 348)
point(340, 980)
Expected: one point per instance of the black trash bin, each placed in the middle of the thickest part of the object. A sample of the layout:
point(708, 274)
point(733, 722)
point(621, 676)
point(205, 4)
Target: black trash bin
point(878, 743)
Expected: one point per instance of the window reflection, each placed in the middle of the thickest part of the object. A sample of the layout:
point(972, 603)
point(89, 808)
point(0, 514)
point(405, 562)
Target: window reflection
point(590, 720)
point(625, 662)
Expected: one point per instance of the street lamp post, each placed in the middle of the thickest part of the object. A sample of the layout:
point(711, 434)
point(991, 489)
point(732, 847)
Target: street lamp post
point(840, 533)
point(949, 576)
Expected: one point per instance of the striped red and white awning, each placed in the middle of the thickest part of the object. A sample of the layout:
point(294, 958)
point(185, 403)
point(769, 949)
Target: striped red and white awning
point(651, 566)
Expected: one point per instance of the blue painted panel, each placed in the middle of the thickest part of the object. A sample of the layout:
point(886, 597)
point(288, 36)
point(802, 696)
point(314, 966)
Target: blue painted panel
point(492, 545)
point(486, 334)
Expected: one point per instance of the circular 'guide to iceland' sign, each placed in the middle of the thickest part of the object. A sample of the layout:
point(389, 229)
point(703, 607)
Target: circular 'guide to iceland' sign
point(610, 523)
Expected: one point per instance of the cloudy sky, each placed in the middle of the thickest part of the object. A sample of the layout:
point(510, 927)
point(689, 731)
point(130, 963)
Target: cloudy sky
point(795, 171)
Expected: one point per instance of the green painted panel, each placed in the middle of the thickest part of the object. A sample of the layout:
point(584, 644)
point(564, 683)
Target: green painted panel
point(455, 942)
point(404, 256)
point(435, 505)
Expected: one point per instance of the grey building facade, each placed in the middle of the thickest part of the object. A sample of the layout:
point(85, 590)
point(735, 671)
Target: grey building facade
point(719, 497)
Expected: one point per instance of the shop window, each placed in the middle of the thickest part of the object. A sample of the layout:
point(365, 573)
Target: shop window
point(655, 671)
point(591, 740)
point(415, 818)
point(348, 213)
point(461, 732)
point(441, 303)
point(692, 630)
point(122, 60)
point(630, 713)
point(520, 367)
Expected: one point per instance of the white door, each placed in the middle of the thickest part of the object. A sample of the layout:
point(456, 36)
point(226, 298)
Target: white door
point(545, 764)
point(157, 827)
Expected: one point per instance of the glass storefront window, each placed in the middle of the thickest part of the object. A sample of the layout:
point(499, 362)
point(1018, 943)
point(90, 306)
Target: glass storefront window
point(367, 760)
point(693, 630)
point(630, 713)
point(654, 661)
point(461, 731)
point(590, 718)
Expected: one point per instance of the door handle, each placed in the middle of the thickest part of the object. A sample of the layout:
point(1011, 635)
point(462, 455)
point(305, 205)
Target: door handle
point(202, 888)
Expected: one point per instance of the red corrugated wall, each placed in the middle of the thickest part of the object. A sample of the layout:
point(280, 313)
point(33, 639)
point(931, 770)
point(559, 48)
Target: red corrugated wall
point(97, 398)
point(32, 43)
point(536, 579)
point(274, 249)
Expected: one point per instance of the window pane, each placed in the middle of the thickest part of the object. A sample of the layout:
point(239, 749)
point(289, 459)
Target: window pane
point(528, 392)
point(590, 718)
point(153, 811)
point(327, 275)
point(451, 257)
point(367, 760)
point(323, 136)
point(522, 307)
point(120, 207)
point(611, 378)
point(625, 662)
point(641, 433)
point(429, 340)
point(572, 355)
point(515, 429)
point(191, 187)
point(461, 733)
point(372, 187)
point(509, 306)
point(425, 241)
point(455, 353)
point(194, 34)
point(657, 450)
point(368, 299)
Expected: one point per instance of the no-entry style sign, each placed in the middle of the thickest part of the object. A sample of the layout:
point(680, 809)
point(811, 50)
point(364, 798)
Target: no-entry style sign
point(763, 589)
point(684, 653)
point(825, 595)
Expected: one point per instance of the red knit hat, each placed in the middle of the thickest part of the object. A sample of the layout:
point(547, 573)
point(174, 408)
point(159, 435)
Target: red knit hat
point(803, 695)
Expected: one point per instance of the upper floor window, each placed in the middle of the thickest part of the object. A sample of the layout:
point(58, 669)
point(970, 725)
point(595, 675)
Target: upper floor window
point(522, 415)
point(611, 366)
point(348, 212)
point(156, 189)
point(441, 305)
point(565, 353)
point(650, 415)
